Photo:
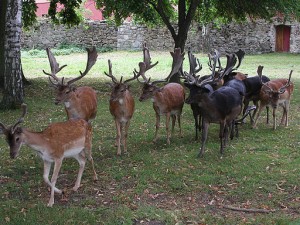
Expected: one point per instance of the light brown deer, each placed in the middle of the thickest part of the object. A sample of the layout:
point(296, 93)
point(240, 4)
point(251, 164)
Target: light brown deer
point(121, 106)
point(167, 100)
point(79, 102)
point(275, 93)
point(72, 138)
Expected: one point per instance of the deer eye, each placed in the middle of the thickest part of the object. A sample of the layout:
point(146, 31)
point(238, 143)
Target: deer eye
point(17, 139)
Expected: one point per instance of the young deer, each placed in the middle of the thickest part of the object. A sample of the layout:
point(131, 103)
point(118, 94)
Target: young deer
point(167, 100)
point(80, 102)
point(121, 106)
point(72, 138)
point(276, 93)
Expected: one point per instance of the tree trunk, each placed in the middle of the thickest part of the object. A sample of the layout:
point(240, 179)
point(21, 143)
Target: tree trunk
point(13, 92)
point(3, 7)
point(179, 43)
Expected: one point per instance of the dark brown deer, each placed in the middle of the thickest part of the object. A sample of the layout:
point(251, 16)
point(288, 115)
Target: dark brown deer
point(220, 106)
point(253, 86)
point(195, 67)
point(72, 138)
point(80, 102)
point(167, 100)
point(276, 93)
point(121, 105)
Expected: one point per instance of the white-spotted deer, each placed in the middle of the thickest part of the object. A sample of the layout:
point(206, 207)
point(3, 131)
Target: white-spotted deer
point(167, 100)
point(121, 106)
point(277, 92)
point(72, 138)
point(80, 102)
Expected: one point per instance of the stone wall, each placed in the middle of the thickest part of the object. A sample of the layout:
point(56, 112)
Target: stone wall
point(252, 37)
point(45, 34)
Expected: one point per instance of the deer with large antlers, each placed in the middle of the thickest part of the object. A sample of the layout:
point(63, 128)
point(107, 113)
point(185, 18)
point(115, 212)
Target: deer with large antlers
point(79, 102)
point(72, 138)
point(195, 67)
point(277, 92)
point(220, 106)
point(167, 100)
point(121, 106)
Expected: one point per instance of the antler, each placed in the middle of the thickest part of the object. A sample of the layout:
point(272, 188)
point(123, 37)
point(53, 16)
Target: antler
point(195, 65)
point(147, 66)
point(141, 72)
point(178, 58)
point(21, 119)
point(92, 58)
point(240, 55)
point(259, 73)
point(53, 65)
point(147, 58)
point(213, 58)
point(114, 80)
point(282, 89)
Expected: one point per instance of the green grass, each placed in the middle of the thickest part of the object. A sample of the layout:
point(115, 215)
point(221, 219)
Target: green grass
point(155, 182)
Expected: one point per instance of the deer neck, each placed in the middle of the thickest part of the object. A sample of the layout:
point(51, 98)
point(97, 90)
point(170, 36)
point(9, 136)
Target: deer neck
point(35, 140)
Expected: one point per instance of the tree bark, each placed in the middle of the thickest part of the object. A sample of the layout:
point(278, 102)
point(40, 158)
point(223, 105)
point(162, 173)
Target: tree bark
point(13, 92)
point(3, 7)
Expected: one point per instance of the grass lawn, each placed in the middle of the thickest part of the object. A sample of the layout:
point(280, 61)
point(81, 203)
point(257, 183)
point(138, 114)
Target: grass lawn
point(155, 183)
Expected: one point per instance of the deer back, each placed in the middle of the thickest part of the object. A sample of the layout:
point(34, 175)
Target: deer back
point(169, 97)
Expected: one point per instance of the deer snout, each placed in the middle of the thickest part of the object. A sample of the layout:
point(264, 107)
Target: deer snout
point(13, 155)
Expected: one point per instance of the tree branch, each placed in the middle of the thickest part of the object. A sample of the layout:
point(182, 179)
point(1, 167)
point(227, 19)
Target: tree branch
point(159, 9)
point(250, 210)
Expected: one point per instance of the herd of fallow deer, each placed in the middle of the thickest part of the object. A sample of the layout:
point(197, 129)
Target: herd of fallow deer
point(222, 97)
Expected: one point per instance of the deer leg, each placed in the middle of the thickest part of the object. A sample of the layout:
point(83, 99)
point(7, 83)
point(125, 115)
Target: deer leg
point(258, 115)
point(205, 126)
point(118, 138)
point(173, 122)
point(88, 150)
point(223, 131)
point(274, 119)
point(81, 160)
point(179, 124)
point(125, 135)
point(47, 167)
point(267, 107)
point(287, 108)
point(156, 126)
point(167, 127)
point(57, 166)
point(284, 119)
point(196, 126)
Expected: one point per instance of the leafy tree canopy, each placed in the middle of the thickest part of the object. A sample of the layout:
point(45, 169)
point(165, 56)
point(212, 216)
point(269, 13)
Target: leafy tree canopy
point(150, 11)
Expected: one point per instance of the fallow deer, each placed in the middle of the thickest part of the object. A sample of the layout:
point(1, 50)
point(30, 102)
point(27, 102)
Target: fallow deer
point(217, 106)
point(253, 86)
point(167, 100)
point(72, 138)
point(276, 93)
point(79, 102)
point(121, 106)
point(195, 67)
